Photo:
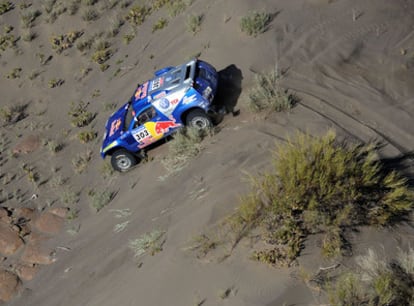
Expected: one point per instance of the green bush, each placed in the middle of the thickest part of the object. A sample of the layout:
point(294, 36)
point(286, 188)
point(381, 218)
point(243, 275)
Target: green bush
point(101, 56)
point(147, 242)
point(79, 114)
point(194, 23)
point(90, 14)
point(28, 18)
point(321, 186)
point(255, 22)
point(5, 6)
point(160, 24)
point(378, 283)
point(348, 291)
point(87, 136)
point(178, 6)
point(137, 14)
point(7, 41)
point(186, 144)
point(268, 95)
point(99, 200)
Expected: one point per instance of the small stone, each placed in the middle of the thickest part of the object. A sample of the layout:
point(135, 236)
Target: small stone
point(9, 285)
point(10, 240)
point(49, 223)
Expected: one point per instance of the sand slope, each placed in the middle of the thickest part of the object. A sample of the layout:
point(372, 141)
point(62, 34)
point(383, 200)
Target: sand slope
point(354, 75)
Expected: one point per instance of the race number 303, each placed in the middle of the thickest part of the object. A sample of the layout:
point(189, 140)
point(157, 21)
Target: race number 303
point(142, 134)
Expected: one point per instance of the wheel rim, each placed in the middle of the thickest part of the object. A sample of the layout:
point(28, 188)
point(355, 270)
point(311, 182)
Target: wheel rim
point(123, 162)
point(200, 123)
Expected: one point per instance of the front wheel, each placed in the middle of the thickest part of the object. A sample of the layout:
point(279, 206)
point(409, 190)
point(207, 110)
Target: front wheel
point(199, 119)
point(122, 160)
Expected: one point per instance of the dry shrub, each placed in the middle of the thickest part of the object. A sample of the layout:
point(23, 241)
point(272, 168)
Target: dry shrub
point(321, 186)
point(268, 94)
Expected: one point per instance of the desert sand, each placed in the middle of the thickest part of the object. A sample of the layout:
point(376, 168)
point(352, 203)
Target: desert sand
point(349, 62)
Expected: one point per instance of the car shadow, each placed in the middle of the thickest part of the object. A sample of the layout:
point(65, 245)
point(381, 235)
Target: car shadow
point(229, 88)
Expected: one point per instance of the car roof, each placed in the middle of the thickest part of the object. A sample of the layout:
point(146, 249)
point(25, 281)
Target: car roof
point(166, 80)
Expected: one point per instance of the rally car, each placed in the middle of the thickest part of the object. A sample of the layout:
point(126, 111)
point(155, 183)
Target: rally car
point(175, 97)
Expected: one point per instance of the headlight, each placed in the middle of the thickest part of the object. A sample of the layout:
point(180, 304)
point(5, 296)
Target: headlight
point(207, 92)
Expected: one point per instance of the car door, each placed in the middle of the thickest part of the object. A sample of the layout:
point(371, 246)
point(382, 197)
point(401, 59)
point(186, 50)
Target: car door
point(143, 129)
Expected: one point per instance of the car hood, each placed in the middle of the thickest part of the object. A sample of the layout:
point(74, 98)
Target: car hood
point(114, 127)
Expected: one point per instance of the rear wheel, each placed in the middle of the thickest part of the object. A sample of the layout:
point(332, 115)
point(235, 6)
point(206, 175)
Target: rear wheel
point(122, 160)
point(198, 119)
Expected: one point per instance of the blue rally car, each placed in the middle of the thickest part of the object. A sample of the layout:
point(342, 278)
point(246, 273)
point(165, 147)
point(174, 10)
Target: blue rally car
point(175, 97)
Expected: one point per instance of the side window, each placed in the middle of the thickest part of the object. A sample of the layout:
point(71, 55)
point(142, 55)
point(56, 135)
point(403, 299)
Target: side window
point(145, 116)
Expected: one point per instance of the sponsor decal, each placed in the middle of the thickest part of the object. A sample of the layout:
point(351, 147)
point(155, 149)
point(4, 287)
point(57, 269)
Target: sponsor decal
point(157, 83)
point(160, 95)
point(173, 100)
point(141, 91)
point(141, 134)
point(189, 99)
point(164, 103)
point(115, 125)
point(163, 127)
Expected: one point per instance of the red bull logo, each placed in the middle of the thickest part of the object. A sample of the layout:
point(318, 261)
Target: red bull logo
point(164, 126)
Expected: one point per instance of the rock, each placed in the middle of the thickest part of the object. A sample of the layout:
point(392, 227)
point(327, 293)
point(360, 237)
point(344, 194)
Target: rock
point(10, 240)
point(36, 253)
point(9, 285)
point(59, 211)
point(5, 215)
point(23, 212)
point(27, 145)
point(26, 272)
point(49, 223)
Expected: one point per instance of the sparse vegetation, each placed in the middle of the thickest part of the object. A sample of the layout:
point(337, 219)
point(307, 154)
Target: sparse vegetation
point(102, 53)
point(194, 23)
point(90, 14)
point(11, 114)
point(85, 44)
point(151, 242)
point(186, 144)
point(128, 37)
point(115, 27)
point(54, 146)
point(28, 18)
point(158, 4)
point(177, 7)
point(73, 7)
point(29, 35)
point(64, 41)
point(255, 23)
point(53, 83)
point(106, 170)
point(99, 200)
point(69, 197)
point(48, 5)
point(6, 6)
point(15, 73)
point(81, 161)
point(268, 95)
point(379, 282)
point(137, 14)
point(160, 24)
point(7, 41)
point(79, 114)
point(89, 2)
point(87, 136)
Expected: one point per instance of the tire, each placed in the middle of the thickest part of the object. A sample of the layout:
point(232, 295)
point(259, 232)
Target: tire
point(122, 160)
point(198, 119)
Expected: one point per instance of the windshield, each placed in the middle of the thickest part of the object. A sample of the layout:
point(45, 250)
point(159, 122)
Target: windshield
point(128, 117)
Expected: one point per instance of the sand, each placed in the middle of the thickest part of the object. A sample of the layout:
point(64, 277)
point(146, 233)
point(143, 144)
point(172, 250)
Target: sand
point(350, 63)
